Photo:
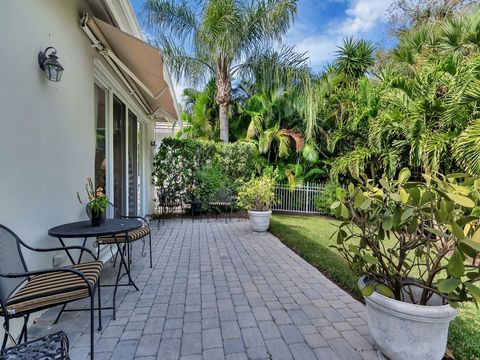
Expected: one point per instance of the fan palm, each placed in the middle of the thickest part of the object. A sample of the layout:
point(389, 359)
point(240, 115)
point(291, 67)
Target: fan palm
point(213, 38)
point(355, 57)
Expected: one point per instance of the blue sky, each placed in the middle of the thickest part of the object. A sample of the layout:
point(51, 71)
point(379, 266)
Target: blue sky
point(321, 25)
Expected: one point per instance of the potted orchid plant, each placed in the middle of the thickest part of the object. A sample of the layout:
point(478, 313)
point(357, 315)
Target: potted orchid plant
point(97, 203)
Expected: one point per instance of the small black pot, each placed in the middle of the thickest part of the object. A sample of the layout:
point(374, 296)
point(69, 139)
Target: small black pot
point(97, 218)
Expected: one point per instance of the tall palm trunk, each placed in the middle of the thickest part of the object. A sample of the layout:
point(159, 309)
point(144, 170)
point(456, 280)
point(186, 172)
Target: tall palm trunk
point(223, 97)
point(223, 112)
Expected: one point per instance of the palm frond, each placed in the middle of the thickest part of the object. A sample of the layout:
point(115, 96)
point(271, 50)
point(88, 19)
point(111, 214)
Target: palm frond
point(353, 163)
point(172, 17)
point(182, 64)
point(467, 148)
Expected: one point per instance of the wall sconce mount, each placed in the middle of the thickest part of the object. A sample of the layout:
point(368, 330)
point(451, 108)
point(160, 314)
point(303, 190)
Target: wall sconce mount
point(48, 61)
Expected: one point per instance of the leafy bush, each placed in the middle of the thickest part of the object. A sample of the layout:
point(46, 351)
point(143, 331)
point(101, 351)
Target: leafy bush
point(180, 165)
point(324, 200)
point(414, 239)
point(258, 194)
point(239, 162)
point(209, 180)
point(177, 161)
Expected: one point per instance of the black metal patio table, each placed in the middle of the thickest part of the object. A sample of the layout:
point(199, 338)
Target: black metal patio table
point(85, 230)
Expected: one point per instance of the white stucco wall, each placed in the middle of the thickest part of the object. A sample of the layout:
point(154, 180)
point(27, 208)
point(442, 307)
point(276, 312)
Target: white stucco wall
point(46, 128)
point(47, 133)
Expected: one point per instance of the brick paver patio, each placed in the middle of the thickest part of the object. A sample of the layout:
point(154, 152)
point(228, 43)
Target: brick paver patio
point(219, 291)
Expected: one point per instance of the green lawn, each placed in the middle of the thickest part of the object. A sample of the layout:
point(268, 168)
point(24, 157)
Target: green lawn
point(309, 236)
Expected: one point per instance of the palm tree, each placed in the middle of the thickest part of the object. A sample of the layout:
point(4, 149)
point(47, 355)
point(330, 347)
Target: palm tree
point(355, 57)
point(265, 110)
point(213, 38)
point(198, 113)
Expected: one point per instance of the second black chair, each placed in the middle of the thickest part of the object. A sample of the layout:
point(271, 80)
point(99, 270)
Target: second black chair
point(127, 241)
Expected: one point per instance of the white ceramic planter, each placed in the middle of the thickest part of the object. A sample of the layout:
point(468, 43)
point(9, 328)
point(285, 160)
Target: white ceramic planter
point(404, 331)
point(260, 220)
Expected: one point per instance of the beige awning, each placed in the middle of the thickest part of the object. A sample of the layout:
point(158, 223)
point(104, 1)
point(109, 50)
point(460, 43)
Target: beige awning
point(140, 63)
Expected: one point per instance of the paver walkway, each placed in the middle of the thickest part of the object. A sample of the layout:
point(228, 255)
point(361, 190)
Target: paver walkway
point(220, 291)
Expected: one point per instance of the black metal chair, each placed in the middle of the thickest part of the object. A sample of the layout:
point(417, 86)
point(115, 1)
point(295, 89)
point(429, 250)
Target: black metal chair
point(168, 203)
point(139, 234)
point(223, 199)
point(51, 347)
point(23, 292)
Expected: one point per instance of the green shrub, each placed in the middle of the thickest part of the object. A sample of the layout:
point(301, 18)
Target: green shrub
point(239, 162)
point(208, 180)
point(177, 161)
point(326, 198)
point(408, 236)
point(258, 193)
point(181, 164)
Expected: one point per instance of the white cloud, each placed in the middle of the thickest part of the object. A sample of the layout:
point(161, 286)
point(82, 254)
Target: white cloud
point(360, 18)
point(364, 15)
point(321, 49)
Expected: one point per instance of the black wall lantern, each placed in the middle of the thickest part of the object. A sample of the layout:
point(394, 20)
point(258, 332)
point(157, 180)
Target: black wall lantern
point(48, 61)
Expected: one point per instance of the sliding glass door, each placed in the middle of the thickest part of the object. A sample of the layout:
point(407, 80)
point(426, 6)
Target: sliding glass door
point(118, 152)
point(133, 181)
point(119, 155)
point(100, 138)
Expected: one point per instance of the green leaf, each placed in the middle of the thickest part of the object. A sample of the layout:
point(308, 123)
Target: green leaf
point(387, 222)
point(335, 205)
point(407, 213)
point(351, 188)
point(340, 192)
point(359, 199)
point(404, 196)
point(453, 304)
point(353, 248)
point(412, 227)
point(471, 244)
point(436, 232)
point(476, 236)
point(366, 204)
point(442, 214)
point(397, 215)
point(457, 231)
point(446, 286)
point(367, 290)
point(474, 291)
point(344, 212)
point(341, 234)
point(385, 290)
point(456, 267)
point(384, 184)
point(370, 259)
point(472, 274)
point(404, 175)
point(462, 200)
point(415, 194)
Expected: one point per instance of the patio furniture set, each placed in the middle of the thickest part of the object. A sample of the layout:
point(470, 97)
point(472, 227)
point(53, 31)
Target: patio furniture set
point(170, 202)
point(23, 291)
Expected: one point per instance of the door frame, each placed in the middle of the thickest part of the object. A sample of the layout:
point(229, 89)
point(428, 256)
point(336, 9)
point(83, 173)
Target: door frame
point(107, 81)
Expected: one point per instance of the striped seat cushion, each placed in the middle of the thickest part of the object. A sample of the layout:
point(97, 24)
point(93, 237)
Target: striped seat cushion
point(132, 236)
point(47, 290)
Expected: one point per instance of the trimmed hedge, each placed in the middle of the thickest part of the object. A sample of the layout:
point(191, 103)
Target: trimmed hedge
point(180, 164)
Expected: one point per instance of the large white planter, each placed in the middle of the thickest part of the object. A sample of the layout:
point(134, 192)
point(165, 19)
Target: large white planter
point(260, 220)
point(405, 331)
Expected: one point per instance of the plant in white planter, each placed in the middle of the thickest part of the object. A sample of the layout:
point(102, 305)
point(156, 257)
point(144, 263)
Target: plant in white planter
point(416, 245)
point(257, 196)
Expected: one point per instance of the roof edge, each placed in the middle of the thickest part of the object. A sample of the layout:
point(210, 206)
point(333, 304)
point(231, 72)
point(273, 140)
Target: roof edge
point(124, 16)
